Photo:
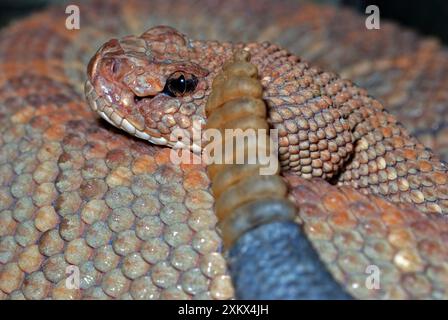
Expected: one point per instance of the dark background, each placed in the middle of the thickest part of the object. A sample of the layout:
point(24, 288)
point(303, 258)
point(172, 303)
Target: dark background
point(429, 17)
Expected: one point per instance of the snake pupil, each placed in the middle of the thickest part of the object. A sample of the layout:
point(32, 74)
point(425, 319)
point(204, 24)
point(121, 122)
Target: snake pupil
point(178, 85)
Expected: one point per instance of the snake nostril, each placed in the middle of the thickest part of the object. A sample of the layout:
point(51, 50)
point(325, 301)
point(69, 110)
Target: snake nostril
point(116, 66)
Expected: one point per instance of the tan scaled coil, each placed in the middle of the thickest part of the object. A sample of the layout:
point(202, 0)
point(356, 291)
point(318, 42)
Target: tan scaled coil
point(244, 197)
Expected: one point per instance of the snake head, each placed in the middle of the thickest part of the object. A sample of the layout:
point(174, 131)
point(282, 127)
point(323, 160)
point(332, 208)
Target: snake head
point(150, 86)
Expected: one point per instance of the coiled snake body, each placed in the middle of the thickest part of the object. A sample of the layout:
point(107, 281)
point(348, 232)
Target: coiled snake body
point(77, 192)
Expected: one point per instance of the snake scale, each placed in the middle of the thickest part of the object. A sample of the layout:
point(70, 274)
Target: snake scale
point(76, 191)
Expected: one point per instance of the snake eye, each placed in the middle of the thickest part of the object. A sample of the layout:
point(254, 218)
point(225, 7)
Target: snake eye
point(179, 84)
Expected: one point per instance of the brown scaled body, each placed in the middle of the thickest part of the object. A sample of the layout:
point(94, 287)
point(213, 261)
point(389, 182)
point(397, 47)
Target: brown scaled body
point(327, 126)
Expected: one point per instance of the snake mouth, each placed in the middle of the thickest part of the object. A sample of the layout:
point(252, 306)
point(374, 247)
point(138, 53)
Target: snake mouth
point(110, 113)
